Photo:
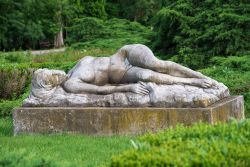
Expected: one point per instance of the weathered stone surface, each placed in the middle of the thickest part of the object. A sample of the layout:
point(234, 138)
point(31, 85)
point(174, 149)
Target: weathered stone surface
point(121, 121)
point(160, 96)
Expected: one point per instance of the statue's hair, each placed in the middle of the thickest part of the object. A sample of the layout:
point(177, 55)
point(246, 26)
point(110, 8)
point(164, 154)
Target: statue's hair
point(44, 83)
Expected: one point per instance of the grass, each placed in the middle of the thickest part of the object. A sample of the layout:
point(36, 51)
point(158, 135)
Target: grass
point(57, 150)
point(70, 55)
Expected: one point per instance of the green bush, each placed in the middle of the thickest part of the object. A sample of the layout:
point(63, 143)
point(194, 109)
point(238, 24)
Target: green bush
point(85, 29)
point(15, 57)
point(13, 81)
point(112, 34)
point(135, 10)
point(199, 145)
point(239, 63)
point(234, 72)
point(24, 159)
point(198, 30)
point(6, 107)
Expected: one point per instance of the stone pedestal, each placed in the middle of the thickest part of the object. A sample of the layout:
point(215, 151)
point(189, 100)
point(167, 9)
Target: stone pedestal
point(120, 121)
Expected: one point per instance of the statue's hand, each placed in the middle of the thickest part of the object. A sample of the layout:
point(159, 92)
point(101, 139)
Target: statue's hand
point(204, 83)
point(139, 88)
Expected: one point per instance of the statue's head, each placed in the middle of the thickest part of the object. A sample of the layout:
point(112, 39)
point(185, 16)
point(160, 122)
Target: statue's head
point(45, 81)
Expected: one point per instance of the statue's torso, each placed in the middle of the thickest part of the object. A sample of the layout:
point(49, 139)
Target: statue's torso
point(91, 70)
point(101, 70)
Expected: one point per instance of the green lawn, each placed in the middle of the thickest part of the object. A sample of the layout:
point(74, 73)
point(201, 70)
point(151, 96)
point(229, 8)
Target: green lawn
point(57, 150)
point(198, 145)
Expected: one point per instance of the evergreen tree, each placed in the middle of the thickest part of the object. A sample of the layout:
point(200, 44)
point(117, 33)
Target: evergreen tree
point(197, 30)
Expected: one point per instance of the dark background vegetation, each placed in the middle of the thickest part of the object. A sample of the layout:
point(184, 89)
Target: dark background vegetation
point(194, 30)
point(212, 36)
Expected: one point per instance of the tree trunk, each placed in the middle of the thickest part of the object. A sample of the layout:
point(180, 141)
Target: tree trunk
point(58, 41)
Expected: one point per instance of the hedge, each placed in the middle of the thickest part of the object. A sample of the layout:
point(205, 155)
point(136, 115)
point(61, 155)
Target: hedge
point(15, 80)
point(200, 145)
point(15, 77)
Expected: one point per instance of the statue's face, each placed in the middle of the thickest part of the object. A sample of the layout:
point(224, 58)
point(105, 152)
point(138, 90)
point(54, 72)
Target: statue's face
point(49, 78)
point(58, 76)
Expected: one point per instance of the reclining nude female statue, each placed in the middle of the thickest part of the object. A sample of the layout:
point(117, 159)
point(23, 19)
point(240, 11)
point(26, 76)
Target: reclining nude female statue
point(134, 69)
point(131, 64)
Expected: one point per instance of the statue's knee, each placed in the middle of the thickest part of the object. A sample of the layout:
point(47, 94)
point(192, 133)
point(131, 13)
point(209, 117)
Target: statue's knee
point(169, 64)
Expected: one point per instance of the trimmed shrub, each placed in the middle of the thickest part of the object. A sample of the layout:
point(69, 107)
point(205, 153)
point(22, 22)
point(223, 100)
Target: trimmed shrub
point(13, 80)
point(200, 145)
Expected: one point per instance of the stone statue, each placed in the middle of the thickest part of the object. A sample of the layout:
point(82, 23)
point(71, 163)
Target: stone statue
point(131, 77)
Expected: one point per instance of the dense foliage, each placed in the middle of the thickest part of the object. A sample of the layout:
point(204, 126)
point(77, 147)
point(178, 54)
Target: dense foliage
point(193, 30)
point(134, 10)
point(24, 24)
point(200, 145)
point(234, 72)
point(91, 32)
point(199, 30)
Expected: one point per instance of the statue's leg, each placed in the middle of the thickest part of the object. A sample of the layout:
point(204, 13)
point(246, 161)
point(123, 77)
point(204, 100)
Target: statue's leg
point(141, 56)
point(137, 74)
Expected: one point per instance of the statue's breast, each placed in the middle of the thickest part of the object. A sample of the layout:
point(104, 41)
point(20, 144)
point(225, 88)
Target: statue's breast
point(84, 70)
point(117, 70)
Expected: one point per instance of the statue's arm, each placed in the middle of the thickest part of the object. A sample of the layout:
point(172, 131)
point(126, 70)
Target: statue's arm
point(77, 86)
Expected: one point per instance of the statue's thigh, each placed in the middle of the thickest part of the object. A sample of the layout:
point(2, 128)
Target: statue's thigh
point(136, 74)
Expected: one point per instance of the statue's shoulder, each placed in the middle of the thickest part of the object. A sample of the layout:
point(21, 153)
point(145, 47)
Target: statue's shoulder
point(88, 58)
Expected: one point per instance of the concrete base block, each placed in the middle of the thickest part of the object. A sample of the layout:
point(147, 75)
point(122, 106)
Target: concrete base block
point(120, 121)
